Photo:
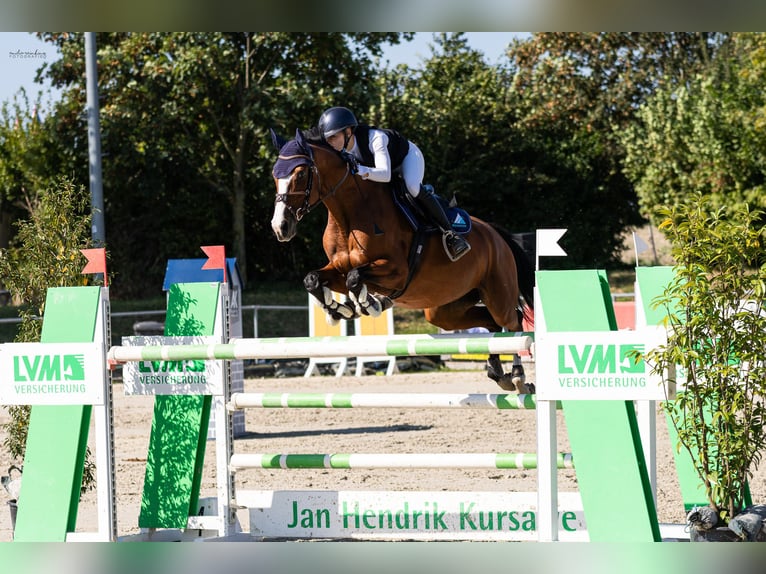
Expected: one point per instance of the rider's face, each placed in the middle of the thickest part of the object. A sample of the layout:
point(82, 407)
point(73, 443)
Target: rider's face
point(336, 140)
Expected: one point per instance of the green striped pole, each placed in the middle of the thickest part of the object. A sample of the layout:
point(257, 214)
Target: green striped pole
point(299, 347)
point(509, 460)
point(509, 401)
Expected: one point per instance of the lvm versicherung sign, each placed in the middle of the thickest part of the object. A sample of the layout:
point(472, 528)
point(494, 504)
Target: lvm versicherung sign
point(184, 377)
point(599, 365)
point(52, 374)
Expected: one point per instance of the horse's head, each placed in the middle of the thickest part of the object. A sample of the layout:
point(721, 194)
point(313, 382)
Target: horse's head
point(297, 174)
point(293, 174)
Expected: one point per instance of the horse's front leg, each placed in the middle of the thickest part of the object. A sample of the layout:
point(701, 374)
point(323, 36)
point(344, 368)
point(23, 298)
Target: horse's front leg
point(366, 303)
point(335, 310)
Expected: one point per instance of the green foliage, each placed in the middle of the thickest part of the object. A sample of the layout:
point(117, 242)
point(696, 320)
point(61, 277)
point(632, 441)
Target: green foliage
point(717, 341)
point(533, 143)
point(576, 92)
point(45, 253)
point(455, 110)
point(703, 135)
point(25, 159)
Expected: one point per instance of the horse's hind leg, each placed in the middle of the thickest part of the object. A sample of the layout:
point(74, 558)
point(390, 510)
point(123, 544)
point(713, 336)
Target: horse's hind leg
point(513, 381)
point(464, 313)
point(335, 310)
point(519, 378)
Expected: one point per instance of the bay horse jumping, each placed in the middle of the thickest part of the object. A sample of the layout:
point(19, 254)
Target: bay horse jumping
point(368, 241)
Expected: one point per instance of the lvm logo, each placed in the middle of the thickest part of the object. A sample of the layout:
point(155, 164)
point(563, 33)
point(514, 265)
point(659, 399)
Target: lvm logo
point(606, 365)
point(601, 358)
point(48, 368)
point(157, 367)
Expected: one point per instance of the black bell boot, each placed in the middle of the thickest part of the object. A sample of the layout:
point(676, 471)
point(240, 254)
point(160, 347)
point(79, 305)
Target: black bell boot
point(455, 245)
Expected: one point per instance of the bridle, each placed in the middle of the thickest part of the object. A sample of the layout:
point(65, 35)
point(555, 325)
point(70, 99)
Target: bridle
point(307, 206)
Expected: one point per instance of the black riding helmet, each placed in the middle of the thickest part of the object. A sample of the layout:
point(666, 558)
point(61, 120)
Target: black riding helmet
point(336, 119)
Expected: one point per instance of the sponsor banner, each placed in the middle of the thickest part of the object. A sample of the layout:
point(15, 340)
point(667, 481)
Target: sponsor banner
point(410, 515)
point(182, 377)
point(599, 365)
point(52, 373)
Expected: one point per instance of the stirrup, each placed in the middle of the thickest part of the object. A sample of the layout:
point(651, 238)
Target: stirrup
point(454, 256)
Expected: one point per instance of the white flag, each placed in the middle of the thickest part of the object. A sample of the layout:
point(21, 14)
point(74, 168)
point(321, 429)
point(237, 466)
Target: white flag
point(547, 242)
point(639, 244)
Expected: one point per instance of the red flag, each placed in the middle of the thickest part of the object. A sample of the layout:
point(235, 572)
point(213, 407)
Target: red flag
point(216, 258)
point(96, 262)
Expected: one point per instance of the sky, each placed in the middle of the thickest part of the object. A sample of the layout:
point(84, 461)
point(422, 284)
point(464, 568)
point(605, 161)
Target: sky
point(21, 54)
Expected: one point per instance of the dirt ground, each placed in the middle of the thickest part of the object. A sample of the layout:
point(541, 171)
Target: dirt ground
point(393, 430)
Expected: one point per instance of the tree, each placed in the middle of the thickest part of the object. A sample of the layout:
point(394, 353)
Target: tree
point(455, 109)
point(24, 155)
point(705, 136)
point(716, 324)
point(185, 131)
point(576, 93)
point(531, 144)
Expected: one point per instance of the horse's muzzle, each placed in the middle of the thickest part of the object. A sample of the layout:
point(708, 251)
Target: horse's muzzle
point(285, 232)
point(283, 223)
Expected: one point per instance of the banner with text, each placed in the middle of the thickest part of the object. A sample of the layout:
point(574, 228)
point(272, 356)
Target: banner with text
point(190, 377)
point(599, 365)
point(411, 515)
point(52, 373)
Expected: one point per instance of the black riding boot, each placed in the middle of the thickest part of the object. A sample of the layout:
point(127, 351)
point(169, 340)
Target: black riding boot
point(455, 245)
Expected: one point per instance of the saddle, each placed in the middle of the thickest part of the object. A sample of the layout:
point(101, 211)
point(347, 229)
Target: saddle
point(458, 217)
point(422, 225)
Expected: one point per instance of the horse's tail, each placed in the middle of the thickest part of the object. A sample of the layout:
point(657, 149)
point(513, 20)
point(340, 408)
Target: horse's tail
point(525, 271)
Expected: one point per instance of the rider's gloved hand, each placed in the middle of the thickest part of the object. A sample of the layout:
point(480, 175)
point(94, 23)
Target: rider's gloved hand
point(353, 165)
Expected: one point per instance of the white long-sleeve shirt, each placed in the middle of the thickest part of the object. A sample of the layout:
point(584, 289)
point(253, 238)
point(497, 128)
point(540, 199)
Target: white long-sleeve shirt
point(379, 146)
point(413, 165)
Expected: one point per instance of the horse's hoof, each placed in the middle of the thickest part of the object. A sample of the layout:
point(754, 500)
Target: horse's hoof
point(526, 389)
point(506, 383)
point(517, 375)
point(338, 312)
point(332, 318)
point(519, 379)
point(374, 307)
point(510, 383)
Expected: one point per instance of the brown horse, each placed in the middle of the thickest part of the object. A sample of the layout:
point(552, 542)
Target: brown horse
point(368, 242)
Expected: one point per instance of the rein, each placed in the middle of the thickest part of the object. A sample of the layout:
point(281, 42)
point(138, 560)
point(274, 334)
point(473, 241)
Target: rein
point(307, 206)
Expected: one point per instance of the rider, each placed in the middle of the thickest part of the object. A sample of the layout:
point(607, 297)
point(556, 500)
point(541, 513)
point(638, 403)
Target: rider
point(380, 152)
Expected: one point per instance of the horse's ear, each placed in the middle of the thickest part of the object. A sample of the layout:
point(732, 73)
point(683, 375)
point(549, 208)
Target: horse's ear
point(300, 138)
point(277, 140)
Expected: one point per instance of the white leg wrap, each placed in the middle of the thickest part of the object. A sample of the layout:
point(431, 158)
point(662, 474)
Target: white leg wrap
point(328, 299)
point(375, 307)
point(367, 304)
point(332, 305)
